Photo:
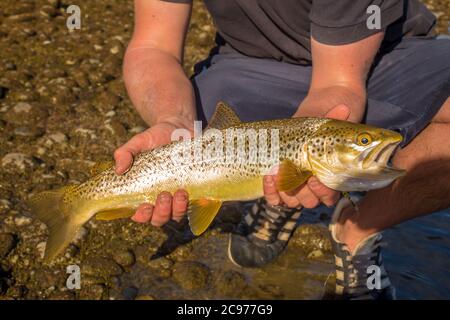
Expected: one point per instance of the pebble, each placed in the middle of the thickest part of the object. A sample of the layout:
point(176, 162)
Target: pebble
point(7, 243)
point(124, 258)
point(130, 293)
point(230, 282)
point(315, 254)
point(22, 221)
point(191, 275)
point(98, 266)
point(40, 248)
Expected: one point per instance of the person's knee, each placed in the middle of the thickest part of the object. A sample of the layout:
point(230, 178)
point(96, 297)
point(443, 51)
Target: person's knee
point(214, 85)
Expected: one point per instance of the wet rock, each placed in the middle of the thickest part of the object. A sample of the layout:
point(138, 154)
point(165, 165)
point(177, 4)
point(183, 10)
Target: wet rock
point(5, 206)
point(191, 275)
point(106, 101)
point(17, 291)
point(130, 293)
point(26, 113)
point(40, 249)
point(28, 132)
point(91, 280)
point(22, 221)
point(61, 295)
point(145, 297)
point(93, 292)
point(71, 251)
point(230, 283)
point(17, 162)
point(315, 254)
point(124, 258)
point(310, 238)
point(7, 243)
point(58, 137)
point(117, 129)
point(270, 291)
point(46, 278)
point(103, 267)
point(81, 236)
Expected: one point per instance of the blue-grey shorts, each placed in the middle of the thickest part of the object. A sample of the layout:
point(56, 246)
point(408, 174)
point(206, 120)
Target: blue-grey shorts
point(406, 87)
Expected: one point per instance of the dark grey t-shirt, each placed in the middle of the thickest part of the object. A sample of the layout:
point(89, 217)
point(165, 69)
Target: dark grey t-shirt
point(281, 29)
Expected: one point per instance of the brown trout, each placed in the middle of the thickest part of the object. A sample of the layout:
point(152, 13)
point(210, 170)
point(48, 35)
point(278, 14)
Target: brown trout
point(227, 163)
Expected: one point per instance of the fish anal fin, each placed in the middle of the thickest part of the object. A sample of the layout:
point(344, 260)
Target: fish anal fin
point(201, 213)
point(112, 214)
point(100, 167)
point(224, 117)
point(290, 176)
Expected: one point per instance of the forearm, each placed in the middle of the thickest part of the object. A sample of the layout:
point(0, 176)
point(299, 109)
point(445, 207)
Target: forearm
point(158, 86)
point(339, 76)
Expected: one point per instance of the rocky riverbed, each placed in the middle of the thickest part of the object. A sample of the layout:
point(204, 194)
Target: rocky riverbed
point(63, 106)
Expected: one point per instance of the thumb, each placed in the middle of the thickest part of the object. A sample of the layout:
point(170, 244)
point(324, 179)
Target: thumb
point(339, 112)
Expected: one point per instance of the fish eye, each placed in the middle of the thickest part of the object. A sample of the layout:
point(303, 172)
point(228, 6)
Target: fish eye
point(364, 139)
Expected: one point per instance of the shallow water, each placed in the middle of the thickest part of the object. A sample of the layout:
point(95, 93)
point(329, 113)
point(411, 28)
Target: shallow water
point(418, 257)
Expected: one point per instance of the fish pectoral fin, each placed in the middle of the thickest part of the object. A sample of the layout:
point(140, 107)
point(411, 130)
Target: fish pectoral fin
point(100, 167)
point(290, 176)
point(224, 117)
point(201, 213)
point(113, 214)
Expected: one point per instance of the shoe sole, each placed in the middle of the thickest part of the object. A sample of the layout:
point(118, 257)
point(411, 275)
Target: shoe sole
point(229, 253)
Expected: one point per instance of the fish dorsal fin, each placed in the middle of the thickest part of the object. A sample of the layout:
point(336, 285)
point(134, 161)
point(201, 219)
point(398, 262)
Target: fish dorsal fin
point(114, 214)
point(201, 213)
point(224, 117)
point(100, 167)
point(290, 176)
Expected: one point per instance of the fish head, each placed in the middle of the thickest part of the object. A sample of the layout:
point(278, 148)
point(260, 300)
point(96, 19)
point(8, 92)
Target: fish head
point(353, 157)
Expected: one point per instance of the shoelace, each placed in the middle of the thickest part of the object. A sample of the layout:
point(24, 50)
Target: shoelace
point(271, 220)
point(357, 270)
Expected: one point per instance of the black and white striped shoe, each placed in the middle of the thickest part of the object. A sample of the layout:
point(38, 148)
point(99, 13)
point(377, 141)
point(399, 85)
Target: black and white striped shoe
point(361, 275)
point(262, 235)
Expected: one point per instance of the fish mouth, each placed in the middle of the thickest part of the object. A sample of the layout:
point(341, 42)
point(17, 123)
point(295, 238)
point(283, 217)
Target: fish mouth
point(379, 155)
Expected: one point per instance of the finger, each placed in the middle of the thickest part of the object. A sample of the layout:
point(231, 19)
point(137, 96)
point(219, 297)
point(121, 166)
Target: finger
point(339, 112)
point(326, 195)
point(163, 209)
point(143, 213)
point(307, 198)
point(270, 191)
point(179, 205)
point(290, 201)
point(125, 154)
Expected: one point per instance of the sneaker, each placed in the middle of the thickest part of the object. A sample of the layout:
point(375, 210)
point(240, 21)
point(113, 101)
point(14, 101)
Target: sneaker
point(262, 235)
point(354, 269)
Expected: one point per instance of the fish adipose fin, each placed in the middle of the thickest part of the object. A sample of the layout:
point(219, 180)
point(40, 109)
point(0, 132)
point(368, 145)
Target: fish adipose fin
point(51, 208)
point(201, 213)
point(224, 117)
point(100, 167)
point(114, 214)
point(290, 176)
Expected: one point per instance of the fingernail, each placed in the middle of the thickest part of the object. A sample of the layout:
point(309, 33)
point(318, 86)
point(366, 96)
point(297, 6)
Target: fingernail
point(180, 198)
point(164, 199)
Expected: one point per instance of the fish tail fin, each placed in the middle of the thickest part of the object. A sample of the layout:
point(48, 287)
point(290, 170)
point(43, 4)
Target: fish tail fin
point(53, 209)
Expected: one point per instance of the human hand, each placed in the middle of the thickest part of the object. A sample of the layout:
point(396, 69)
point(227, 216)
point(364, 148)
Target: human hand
point(313, 192)
point(167, 206)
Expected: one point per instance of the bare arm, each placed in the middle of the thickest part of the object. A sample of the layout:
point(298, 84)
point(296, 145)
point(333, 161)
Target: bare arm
point(153, 73)
point(339, 77)
point(337, 90)
point(160, 91)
